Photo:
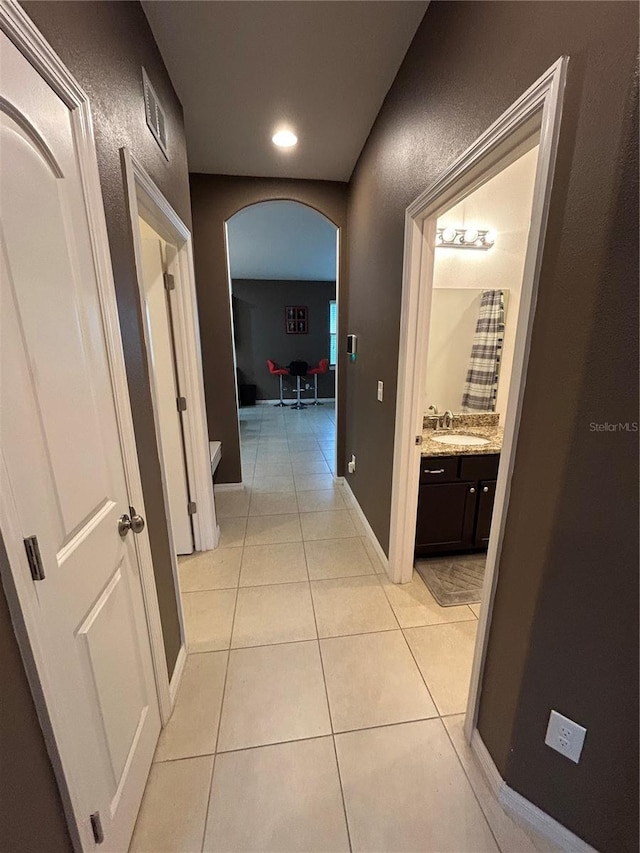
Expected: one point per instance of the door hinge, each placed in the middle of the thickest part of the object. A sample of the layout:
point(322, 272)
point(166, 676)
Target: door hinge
point(96, 826)
point(182, 404)
point(169, 281)
point(33, 557)
point(192, 508)
point(418, 440)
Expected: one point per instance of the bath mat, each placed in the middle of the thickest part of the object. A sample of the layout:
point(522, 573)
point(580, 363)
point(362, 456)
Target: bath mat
point(454, 580)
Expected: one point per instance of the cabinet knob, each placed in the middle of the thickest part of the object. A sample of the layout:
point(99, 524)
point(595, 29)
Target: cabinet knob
point(485, 489)
point(472, 491)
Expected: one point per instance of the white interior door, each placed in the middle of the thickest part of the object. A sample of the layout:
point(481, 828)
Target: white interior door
point(62, 466)
point(166, 387)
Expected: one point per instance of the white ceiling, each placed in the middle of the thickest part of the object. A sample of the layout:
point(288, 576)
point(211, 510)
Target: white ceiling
point(243, 69)
point(282, 240)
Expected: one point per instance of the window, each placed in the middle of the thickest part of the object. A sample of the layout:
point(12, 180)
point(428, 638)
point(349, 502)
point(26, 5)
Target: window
point(333, 333)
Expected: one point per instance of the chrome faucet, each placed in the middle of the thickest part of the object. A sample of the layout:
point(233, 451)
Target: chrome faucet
point(447, 419)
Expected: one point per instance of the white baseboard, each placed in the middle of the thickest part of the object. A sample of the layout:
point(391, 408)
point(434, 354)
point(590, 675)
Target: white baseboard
point(491, 772)
point(289, 400)
point(178, 671)
point(365, 523)
point(523, 810)
point(228, 487)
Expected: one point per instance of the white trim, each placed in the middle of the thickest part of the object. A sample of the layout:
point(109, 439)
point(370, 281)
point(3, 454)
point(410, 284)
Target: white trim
point(58, 721)
point(146, 200)
point(227, 267)
point(178, 672)
point(491, 772)
point(289, 400)
point(523, 810)
point(215, 455)
point(541, 105)
point(377, 547)
point(156, 635)
point(337, 367)
point(229, 487)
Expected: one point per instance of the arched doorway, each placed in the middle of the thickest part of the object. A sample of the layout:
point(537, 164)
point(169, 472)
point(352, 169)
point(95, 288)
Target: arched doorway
point(283, 265)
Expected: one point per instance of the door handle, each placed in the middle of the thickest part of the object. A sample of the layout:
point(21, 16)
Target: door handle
point(134, 522)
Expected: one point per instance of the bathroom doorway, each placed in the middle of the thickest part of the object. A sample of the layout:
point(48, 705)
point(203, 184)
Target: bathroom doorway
point(471, 273)
point(479, 259)
point(283, 269)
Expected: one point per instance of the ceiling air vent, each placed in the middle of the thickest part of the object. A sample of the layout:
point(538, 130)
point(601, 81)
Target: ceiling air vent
point(155, 114)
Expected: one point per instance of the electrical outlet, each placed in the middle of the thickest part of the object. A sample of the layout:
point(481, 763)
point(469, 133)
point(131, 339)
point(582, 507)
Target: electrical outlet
point(380, 391)
point(351, 465)
point(565, 736)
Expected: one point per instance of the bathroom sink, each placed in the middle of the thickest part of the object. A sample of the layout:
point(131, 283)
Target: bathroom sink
point(468, 440)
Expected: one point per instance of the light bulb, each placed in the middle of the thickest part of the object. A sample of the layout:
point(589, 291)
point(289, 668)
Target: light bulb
point(284, 139)
point(449, 235)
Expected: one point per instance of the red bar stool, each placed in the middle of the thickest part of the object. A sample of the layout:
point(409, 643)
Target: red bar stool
point(274, 370)
point(323, 367)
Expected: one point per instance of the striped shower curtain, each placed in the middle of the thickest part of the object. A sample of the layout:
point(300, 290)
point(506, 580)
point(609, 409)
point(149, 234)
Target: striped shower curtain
point(481, 385)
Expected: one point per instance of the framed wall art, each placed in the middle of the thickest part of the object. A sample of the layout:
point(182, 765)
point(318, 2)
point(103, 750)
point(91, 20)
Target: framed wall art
point(296, 319)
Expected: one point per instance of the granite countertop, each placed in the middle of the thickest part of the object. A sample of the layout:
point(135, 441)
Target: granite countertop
point(483, 425)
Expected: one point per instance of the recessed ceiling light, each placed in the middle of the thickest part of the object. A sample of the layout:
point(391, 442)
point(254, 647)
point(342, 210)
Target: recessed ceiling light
point(284, 139)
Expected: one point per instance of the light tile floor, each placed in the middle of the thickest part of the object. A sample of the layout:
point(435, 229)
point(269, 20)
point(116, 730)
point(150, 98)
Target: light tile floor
point(321, 706)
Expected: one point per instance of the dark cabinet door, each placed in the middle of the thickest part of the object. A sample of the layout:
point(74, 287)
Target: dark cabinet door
point(486, 497)
point(446, 515)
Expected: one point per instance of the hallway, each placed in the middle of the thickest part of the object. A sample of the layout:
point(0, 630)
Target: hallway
point(318, 699)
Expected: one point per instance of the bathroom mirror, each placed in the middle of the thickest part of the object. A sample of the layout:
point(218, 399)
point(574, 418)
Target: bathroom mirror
point(454, 330)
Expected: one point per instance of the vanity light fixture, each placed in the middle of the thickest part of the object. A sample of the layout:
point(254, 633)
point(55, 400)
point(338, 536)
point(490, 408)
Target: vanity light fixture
point(465, 238)
point(284, 139)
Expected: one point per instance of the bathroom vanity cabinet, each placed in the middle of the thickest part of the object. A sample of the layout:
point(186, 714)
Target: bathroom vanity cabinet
point(455, 503)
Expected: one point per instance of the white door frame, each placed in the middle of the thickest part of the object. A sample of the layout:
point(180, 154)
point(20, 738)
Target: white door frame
point(146, 201)
point(336, 477)
point(539, 109)
point(57, 721)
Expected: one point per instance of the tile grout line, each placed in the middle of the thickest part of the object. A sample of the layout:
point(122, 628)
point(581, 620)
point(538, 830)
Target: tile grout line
point(326, 693)
point(468, 778)
point(224, 691)
point(310, 737)
point(381, 581)
point(329, 637)
point(422, 676)
point(404, 637)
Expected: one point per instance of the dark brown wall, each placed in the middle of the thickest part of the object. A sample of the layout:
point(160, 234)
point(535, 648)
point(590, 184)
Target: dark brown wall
point(214, 199)
point(105, 45)
point(259, 325)
point(564, 631)
point(588, 600)
point(30, 805)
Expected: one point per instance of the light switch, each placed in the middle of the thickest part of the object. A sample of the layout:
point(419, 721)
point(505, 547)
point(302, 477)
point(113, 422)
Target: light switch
point(380, 391)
